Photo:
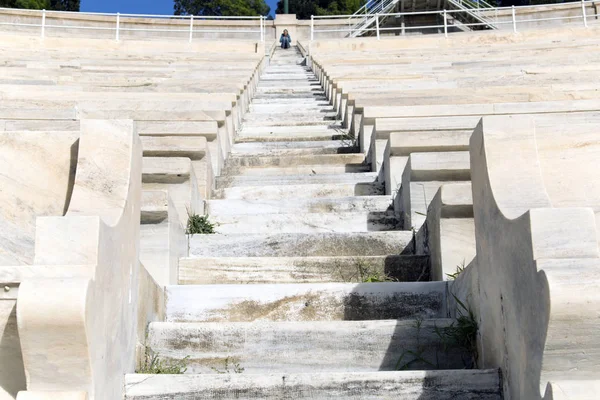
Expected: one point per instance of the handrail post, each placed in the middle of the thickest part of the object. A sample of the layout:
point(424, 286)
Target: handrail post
point(445, 24)
point(117, 34)
point(263, 28)
point(584, 13)
point(514, 20)
point(191, 27)
point(43, 23)
point(377, 24)
point(312, 27)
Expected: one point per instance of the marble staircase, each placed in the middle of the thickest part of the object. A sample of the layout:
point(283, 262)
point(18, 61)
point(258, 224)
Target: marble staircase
point(310, 288)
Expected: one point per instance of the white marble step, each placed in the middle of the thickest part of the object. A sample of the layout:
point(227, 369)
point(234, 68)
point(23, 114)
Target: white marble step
point(406, 385)
point(303, 179)
point(245, 270)
point(316, 170)
point(305, 302)
point(288, 161)
point(286, 109)
point(307, 346)
point(299, 191)
point(301, 244)
point(166, 169)
point(440, 166)
point(154, 207)
point(291, 102)
point(291, 132)
point(293, 148)
point(268, 122)
point(308, 222)
point(290, 117)
point(405, 143)
point(303, 82)
point(218, 208)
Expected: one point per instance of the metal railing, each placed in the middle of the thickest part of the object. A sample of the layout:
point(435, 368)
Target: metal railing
point(474, 10)
point(446, 27)
point(189, 25)
point(366, 13)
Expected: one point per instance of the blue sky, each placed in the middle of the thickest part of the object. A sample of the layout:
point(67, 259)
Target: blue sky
point(139, 6)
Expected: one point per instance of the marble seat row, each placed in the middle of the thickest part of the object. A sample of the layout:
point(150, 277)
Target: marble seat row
point(465, 134)
point(73, 113)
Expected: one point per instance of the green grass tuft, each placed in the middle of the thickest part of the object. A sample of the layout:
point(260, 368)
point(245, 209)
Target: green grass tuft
point(154, 365)
point(199, 224)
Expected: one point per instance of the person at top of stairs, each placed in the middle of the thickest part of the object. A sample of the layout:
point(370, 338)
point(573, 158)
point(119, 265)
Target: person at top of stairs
point(285, 39)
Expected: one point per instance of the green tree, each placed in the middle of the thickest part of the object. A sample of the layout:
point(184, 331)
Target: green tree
point(221, 7)
point(59, 5)
point(305, 8)
point(64, 5)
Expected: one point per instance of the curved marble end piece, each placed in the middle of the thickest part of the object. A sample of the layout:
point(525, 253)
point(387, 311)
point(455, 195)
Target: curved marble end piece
point(37, 170)
point(90, 347)
point(537, 250)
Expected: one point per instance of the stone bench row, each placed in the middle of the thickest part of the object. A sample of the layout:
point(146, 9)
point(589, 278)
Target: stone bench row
point(185, 133)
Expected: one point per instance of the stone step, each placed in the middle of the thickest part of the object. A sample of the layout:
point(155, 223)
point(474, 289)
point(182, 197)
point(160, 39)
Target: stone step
point(305, 95)
point(279, 180)
point(288, 161)
point(301, 244)
point(283, 89)
point(293, 148)
point(174, 146)
point(290, 75)
point(303, 82)
point(305, 302)
point(285, 110)
point(291, 132)
point(306, 191)
point(405, 143)
point(166, 169)
point(310, 136)
point(207, 129)
point(335, 205)
point(290, 103)
point(154, 207)
point(223, 270)
point(299, 170)
point(308, 346)
point(314, 115)
point(288, 123)
point(440, 166)
point(459, 384)
point(414, 204)
point(308, 222)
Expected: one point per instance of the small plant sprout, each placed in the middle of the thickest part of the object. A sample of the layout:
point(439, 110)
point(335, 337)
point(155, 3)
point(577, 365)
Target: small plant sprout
point(199, 224)
point(154, 365)
point(459, 269)
point(236, 368)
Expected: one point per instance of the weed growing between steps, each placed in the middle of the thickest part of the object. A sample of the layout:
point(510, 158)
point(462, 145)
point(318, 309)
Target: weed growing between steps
point(199, 224)
point(154, 365)
point(459, 269)
point(236, 368)
point(361, 271)
point(461, 334)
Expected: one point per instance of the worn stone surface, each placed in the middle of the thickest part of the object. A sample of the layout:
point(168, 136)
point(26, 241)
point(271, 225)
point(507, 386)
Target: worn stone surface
point(306, 302)
point(292, 347)
point(211, 270)
point(301, 244)
point(408, 385)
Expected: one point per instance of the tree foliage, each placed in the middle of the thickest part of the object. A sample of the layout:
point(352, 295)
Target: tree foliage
point(58, 5)
point(305, 8)
point(221, 7)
